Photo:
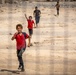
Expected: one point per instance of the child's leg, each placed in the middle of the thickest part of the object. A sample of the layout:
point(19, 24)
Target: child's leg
point(57, 11)
point(18, 57)
point(21, 61)
point(20, 52)
point(30, 40)
point(30, 33)
point(37, 20)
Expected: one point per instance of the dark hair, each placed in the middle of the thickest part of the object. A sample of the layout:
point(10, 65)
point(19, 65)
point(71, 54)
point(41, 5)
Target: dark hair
point(30, 16)
point(36, 7)
point(19, 25)
point(57, 2)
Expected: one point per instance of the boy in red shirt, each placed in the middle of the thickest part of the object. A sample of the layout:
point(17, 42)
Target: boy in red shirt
point(30, 26)
point(21, 44)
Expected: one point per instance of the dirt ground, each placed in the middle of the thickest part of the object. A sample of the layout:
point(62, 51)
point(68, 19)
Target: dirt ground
point(54, 42)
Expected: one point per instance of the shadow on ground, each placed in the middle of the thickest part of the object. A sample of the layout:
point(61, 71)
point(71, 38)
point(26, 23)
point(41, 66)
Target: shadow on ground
point(11, 71)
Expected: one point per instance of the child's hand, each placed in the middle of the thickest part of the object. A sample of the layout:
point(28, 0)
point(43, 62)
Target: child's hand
point(14, 36)
point(34, 26)
point(26, 16)
point(15, 33)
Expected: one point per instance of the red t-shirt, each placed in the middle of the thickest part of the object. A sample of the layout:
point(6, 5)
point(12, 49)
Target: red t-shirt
point(21, 40)
point(30, 24)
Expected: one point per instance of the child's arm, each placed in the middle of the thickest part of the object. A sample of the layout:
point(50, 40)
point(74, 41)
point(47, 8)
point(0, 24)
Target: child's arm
point(34, 25)
point(26, 17)
point(28, 37)
point(39, 12)
point(34, 13)
point(14, 36)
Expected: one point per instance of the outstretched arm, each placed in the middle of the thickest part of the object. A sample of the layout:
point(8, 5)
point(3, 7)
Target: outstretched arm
point(26, 17)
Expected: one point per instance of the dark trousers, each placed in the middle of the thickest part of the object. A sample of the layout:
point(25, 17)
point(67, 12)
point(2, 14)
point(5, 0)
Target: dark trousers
point(30, 31)
point(19, 55)
point(37, 19)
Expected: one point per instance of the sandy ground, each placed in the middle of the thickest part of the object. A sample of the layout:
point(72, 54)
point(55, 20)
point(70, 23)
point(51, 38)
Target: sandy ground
point(54, 42)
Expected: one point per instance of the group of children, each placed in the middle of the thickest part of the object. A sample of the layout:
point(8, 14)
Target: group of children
point(21, 36)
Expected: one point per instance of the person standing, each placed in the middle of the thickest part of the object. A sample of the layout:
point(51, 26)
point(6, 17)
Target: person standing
point(37, 14)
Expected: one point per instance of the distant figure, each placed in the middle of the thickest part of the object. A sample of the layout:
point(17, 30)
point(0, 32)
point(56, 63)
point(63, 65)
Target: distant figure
point(37, 13)
point(21, 44)
point(57, 7)
point(31, 25)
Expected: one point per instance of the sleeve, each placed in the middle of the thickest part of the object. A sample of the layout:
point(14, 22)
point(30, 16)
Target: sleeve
point(27, 36)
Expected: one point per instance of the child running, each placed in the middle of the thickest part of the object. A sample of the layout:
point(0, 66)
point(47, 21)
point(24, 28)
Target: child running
point(30, 27)
point(21, 44)
point(57, 7)
point(37, 14)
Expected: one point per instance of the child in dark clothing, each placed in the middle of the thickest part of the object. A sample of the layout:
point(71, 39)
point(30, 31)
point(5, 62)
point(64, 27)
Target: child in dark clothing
point(37, 14)
point(57, 7)
point(21, 44)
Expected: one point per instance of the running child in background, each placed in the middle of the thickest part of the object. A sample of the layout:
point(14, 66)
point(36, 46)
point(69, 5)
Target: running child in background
point(21, 44)
point(31, 25)
point(57, 7)
point(37, 14)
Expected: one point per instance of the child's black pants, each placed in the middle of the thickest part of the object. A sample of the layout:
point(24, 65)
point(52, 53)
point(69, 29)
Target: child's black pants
point(19, 55)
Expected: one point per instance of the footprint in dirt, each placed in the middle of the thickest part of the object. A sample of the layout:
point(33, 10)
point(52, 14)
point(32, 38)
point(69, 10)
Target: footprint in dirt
point(36, 43)
point(10, 33)
point(7, 47)
point(1, 10)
